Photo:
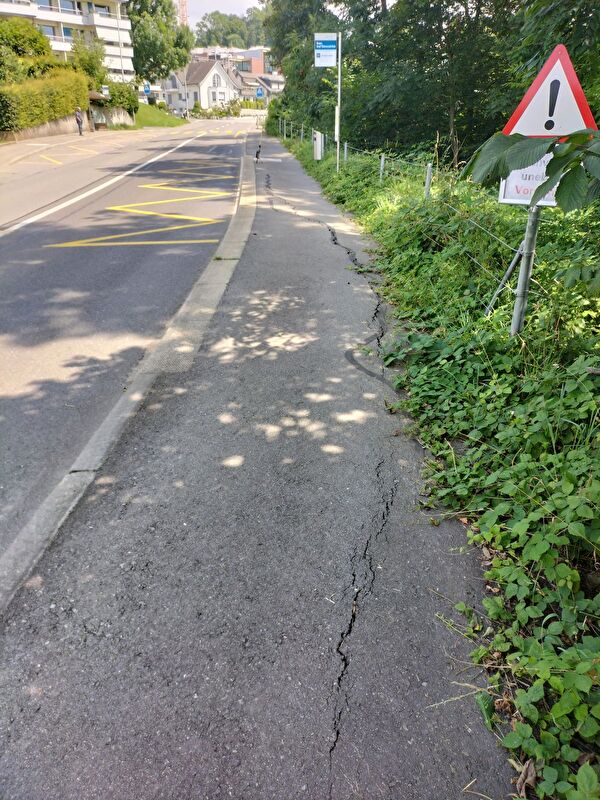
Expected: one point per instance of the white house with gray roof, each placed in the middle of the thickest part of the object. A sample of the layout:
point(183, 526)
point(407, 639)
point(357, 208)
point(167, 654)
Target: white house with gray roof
point(205, 82)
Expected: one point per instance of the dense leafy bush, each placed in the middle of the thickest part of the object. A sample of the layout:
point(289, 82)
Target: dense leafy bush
point(231, 109)
point(34, 102)
point(514, 429)
point(123, 95)
point(256, 104)
point(23, 38)
point(12, 69)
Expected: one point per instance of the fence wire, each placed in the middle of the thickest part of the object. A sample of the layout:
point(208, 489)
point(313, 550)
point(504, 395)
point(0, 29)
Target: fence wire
point(396, 165)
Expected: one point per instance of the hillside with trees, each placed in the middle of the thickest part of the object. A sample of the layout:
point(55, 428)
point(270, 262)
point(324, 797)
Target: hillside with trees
point(231, 30)
point(424, 70)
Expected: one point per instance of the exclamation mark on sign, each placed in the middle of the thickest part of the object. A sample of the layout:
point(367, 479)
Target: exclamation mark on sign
point(554, 87)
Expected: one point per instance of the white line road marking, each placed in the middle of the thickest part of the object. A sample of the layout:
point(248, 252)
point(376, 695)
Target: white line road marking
point(95, 190)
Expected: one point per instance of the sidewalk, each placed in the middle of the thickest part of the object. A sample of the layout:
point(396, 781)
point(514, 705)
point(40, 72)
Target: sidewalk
point(244, 603)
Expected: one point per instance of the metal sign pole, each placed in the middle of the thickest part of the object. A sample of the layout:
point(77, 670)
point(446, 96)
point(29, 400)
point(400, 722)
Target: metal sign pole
point(339, 104)
point(533, 221)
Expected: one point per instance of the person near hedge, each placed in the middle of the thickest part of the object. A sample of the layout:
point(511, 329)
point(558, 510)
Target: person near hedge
point(79, 120)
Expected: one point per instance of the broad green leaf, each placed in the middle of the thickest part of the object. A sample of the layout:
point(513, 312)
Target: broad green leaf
point(512, 740)
point(593, 191)
point(565, 705)
point(550, 774)
point(489, 162)
point(592, 165)
point(589, 728)
point(543, 189)
point(572, 189)
point(526, 152)
point(587, 781)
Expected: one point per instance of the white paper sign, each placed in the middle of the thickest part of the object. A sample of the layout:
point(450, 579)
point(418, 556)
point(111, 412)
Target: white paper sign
point(520, 185)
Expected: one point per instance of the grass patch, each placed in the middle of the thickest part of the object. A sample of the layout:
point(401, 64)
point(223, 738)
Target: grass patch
point(514, 429)
point(152, 117)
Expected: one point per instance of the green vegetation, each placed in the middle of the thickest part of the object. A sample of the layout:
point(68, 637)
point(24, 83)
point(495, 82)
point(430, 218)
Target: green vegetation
point(160, 44)
point(255, 104)
point(123, 95)
point(427, 71)
point(574, 166)
point(154, 117)
point(231, 109)
point(88, 57)
point(33, 102)
point(231, 30)
point(513, 426)
point(23, 38)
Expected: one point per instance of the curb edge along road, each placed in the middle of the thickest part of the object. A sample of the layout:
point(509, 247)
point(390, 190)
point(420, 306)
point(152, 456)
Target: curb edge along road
point(174, 352)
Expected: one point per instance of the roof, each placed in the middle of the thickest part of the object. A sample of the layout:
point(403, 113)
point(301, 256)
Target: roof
point(235, 77)
point(198, 70)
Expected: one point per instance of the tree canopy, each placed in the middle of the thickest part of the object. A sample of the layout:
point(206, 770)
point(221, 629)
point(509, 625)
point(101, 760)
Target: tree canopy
point(231, 30)
point(421, 71)
point(160, 45)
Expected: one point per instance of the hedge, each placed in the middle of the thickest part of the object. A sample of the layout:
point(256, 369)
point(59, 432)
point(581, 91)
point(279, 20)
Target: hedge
point(33, 102)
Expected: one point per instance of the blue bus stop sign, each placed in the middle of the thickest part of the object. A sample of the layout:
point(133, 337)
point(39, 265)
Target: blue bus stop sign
point(147, 89)
point(260, 92)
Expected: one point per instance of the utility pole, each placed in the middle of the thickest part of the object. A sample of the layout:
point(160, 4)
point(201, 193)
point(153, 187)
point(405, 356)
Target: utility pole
point(338, 108)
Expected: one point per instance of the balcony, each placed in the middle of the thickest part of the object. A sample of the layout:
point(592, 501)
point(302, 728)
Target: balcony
point(107, 21)
point(125, 51)
point(17, 8)
point(61, 44)
point(48, 13)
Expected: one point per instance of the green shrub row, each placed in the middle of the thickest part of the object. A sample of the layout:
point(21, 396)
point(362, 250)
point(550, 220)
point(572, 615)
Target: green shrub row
point(33, 102)
point(514, 429)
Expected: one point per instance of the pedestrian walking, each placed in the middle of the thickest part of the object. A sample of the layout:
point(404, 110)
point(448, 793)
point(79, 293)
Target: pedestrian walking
point(79, 120)
point(258, 154)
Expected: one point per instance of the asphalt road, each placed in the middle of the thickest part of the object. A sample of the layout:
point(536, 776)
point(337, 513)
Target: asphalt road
point(249, 602)
point(87, 288)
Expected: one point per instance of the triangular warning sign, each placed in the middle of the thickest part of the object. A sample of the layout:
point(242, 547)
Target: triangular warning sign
point(554, 104)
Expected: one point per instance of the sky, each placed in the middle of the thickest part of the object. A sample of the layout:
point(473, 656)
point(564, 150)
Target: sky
point(198, 8)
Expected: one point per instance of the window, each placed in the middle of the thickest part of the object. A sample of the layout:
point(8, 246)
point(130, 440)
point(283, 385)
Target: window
point(196, 98)
point(180, 96)
point(173, 82)
point(47, 30)
point(67, 32)
point(245, 66)
point(214, 97)
point(103, 11)
point(68, 5)
point(216, 80)
point(222, 97)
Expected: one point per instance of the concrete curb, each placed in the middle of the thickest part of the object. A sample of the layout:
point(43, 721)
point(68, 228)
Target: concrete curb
point(175, 352)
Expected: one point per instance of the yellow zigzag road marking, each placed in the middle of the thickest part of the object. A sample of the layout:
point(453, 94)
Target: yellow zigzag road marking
point(51, 160)
point(115, 240)
point(82, 149)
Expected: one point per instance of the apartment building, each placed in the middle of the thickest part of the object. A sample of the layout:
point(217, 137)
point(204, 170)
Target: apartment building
point(62, 20)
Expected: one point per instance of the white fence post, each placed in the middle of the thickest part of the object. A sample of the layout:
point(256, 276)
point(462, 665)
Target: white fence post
point(381, 168)
point(302, 133)
point(345, 151)
point(428, 177)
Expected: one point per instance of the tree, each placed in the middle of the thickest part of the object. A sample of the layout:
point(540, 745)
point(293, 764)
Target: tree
point(23, 38)
point(160, 45)
point(12, 69)
point(255, 23)
point(218, 29)
point(88, 57)
point(545, 23)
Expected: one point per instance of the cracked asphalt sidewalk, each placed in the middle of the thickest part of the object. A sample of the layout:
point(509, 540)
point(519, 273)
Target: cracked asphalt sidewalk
point(244, 603)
